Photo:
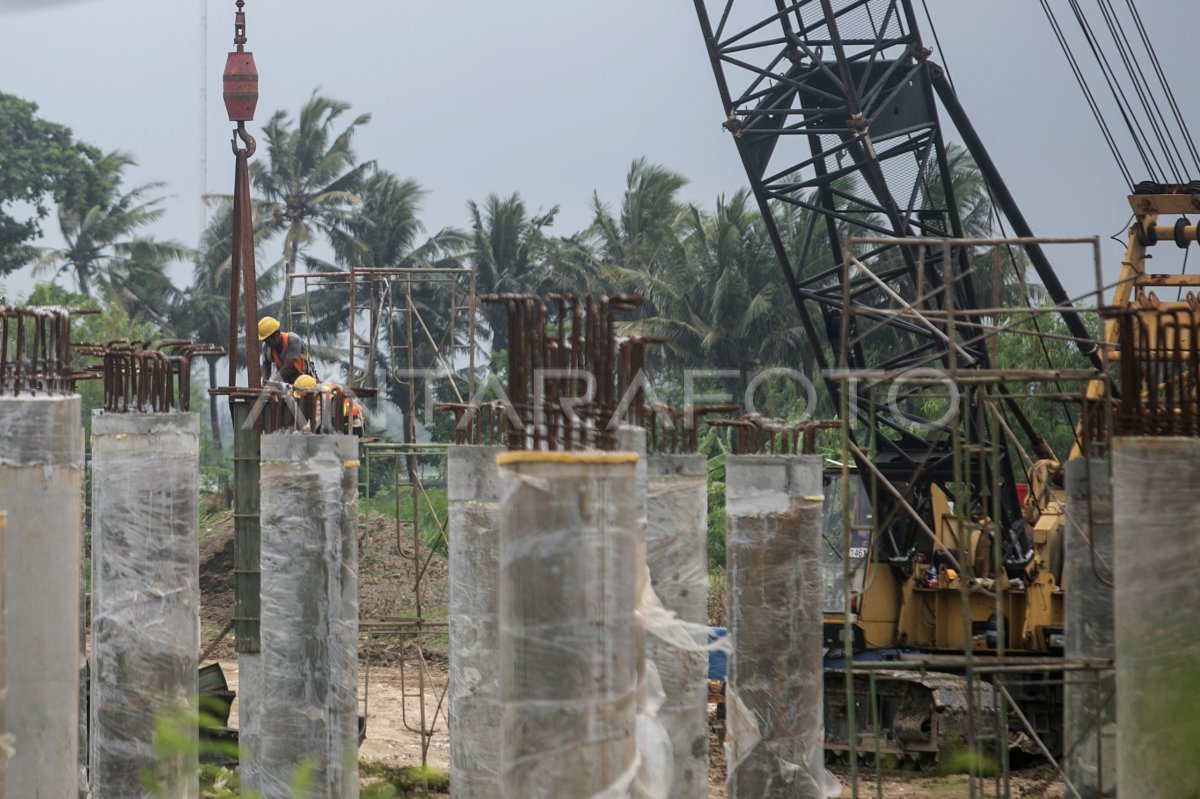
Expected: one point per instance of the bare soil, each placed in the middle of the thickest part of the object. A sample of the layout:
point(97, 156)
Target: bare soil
point(387, 587)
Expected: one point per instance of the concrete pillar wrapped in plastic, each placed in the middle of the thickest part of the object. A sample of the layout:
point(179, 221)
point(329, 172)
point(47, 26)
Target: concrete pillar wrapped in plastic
point(309, 627)
point(676, 531)
point(41, 488)
point(473, 489)
point(5, 738)
point(776, 730)
point(1089, 706)
point(1157, 600)
point(145, 602)
point(572, 567)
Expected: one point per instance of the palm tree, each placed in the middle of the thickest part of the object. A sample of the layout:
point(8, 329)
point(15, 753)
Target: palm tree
point(310, 180)
point(104, 248)
point(724, 305)
point(509, 249)
point(643, 235)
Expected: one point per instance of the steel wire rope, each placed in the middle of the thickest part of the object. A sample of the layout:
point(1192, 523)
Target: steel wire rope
point(1088, 94)
point(1123, 104)
point(1141, 86)
point(1162, 79)
point(996, 215)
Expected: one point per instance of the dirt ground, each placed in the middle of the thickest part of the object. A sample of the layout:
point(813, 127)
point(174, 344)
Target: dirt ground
point(390, 696)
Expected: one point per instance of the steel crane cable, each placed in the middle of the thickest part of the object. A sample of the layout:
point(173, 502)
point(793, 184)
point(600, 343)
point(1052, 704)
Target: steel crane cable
point(1122, 101)
point(1088, 95)
point(1162, 79)
point(996, 215)
point(1141, 86)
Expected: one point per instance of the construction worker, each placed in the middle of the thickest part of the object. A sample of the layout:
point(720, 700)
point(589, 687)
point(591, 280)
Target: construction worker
point(303, 385)
point(351, 408)
point(305, 382)
point(285, 355)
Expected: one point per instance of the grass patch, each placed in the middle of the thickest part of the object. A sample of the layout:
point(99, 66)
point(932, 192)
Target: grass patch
point(403, 781)
point(431, 511)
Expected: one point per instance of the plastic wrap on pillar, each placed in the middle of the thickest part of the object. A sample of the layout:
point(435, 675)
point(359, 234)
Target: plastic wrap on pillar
point(1156, 597)
point(41, 487)
point(249, 721)
point(571, 649)
point(676, 530)
point(776, 732)
point(145, 602)
point(473, 489)
point(309, 621)
point(5, 738)
point(1089, 704)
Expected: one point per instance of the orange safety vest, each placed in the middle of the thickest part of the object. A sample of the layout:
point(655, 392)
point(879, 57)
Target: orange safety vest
point(297, 362)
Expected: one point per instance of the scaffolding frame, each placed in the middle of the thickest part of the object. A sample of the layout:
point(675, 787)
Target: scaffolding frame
point(934, 312)
point(422, 319)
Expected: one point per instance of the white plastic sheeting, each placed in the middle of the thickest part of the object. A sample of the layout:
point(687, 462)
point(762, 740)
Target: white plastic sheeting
point(774, 715)
point(473, 492)
point(145, 602)
point(1089, 704)
point(676, 530)
point(41, 487)
point(572, 570)
point(5, 738)
point(309, 620)
point(1157, 613)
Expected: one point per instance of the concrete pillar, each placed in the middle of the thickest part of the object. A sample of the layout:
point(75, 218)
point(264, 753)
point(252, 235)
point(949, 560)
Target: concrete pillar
point(676, 552)
point(5, 742)
point(473, 491)
point(571, 649)
point(309, 616)
point(145, 601)
point(41, 487)
point(1089, 715)
point(776, 730)
point(1157, 600)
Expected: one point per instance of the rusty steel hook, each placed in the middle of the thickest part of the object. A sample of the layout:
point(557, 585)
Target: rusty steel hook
point(247, 139)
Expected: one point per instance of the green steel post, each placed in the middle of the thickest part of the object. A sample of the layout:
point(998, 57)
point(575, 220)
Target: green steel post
point(246, 531)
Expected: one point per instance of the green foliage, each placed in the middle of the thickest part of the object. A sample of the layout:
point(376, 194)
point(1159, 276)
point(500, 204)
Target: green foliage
point(42, 161)
point(715, 535)
point(219, 782)
point(397, 502)
point(402, 781)
point(958, 759)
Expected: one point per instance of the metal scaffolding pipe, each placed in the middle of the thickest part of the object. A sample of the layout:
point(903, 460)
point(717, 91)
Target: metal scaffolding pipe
point(676, 538)
point(473, 493)
point(774, 695)
point(309, 618)
point(571, 649)
point(41, 488)
point(1157, 611)
point(1089, 706)
point(145, 602)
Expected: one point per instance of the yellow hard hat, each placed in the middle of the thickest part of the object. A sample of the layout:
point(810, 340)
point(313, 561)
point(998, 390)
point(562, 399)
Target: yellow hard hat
point(266, 326)
point(305, 381)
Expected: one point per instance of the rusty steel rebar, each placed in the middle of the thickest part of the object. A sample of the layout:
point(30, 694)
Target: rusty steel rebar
point(138, 379)
point(754, 434)
point(559, 344)
point(35, 350)
point(1159, 368)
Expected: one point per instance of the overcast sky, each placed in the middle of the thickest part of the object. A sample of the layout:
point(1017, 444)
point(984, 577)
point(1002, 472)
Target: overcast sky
point(551, 98)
